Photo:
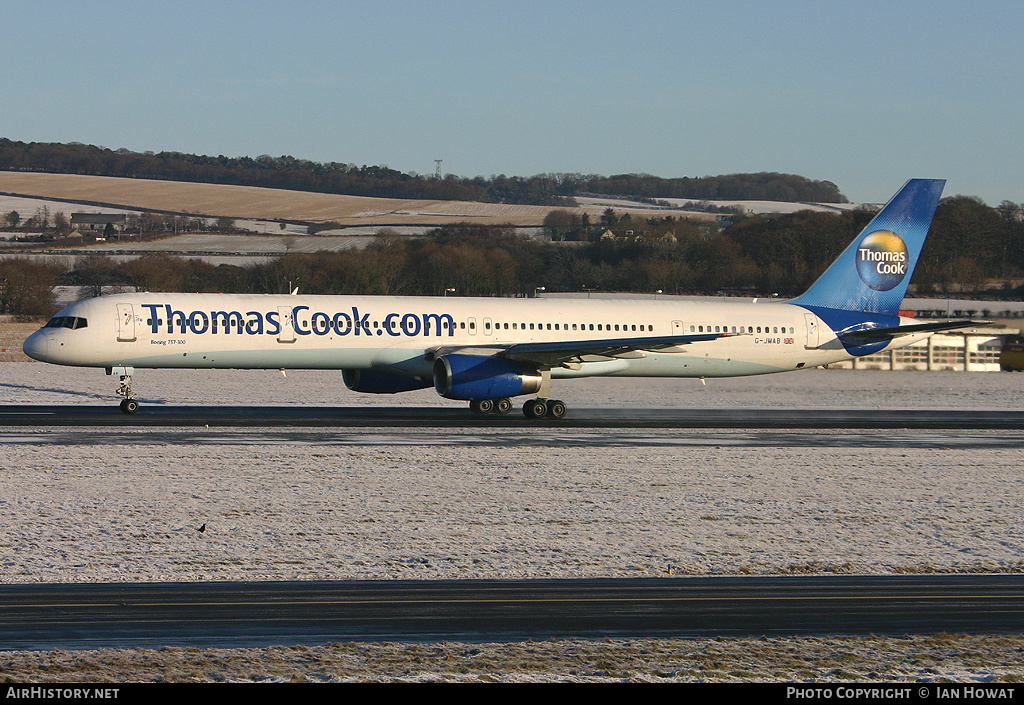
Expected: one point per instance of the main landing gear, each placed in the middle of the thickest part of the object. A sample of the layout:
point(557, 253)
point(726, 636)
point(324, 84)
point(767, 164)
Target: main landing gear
point(532, 409)
point(544, 406)
point(539, 408)
point(491, 406)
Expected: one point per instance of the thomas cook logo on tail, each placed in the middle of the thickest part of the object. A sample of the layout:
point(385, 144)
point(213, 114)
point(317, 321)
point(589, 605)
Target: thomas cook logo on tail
point(882, 260)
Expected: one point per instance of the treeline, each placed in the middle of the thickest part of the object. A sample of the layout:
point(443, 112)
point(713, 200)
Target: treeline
point(970, 245)
point(746, 187)
point(287, 172)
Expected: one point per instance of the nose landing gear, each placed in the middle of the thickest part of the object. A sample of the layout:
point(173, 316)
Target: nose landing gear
point(129, 405)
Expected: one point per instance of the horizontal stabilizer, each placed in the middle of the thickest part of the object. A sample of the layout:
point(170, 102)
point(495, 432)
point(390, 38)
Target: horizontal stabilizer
point(874, 335)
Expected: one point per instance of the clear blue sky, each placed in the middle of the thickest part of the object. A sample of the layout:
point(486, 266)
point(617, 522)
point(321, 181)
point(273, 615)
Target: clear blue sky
point(862, 93)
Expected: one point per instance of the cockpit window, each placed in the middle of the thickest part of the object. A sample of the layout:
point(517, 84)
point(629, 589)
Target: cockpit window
point(73, 322)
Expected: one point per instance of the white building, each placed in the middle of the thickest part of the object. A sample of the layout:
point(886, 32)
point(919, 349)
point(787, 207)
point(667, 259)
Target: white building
point(976, 350)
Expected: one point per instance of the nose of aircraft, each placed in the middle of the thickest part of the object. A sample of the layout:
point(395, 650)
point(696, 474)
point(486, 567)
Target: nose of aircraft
point(35, 345)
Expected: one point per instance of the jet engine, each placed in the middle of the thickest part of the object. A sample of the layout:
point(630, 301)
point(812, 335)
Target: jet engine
point(472, 377)
point(380, 382)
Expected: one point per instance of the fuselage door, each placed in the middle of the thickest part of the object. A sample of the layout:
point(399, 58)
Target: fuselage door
point(488, 327)
point(678, 328)
point(471, 323)
point(811, 323)
point(287, 333)
point(125, 323)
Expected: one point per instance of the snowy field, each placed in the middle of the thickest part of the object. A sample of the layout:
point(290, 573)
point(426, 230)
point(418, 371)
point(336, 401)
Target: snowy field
point(363, 503)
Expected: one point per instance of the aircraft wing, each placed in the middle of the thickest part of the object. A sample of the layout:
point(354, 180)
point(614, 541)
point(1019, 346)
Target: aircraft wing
point(564, 351)
point(874, 335)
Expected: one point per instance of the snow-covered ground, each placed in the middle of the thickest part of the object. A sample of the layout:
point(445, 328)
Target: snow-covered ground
point(121, 504)
point(988, 663)
point(364, 503)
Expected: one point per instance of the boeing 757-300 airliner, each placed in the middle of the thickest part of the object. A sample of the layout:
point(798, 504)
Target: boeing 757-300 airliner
point(488, 350)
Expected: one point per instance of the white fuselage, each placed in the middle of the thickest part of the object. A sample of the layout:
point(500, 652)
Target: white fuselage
point(147, 330)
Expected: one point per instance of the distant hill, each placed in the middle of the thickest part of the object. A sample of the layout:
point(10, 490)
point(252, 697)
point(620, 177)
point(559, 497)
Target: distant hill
point(287, 172)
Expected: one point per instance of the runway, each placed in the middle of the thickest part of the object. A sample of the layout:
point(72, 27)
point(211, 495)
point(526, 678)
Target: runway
point(74, 616)
point(13, 415)
point(508, 438)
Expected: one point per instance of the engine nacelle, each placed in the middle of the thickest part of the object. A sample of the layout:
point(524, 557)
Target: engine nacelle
point(481, 377)
point(380, 382)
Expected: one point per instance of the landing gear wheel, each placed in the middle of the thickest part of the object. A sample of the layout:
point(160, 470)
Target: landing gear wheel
point(481, 406)
point(556, 408)
point(128, 404)
point(535, 409)
point(503, 405)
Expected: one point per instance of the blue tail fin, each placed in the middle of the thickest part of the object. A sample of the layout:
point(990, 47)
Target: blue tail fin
point(872, 274)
